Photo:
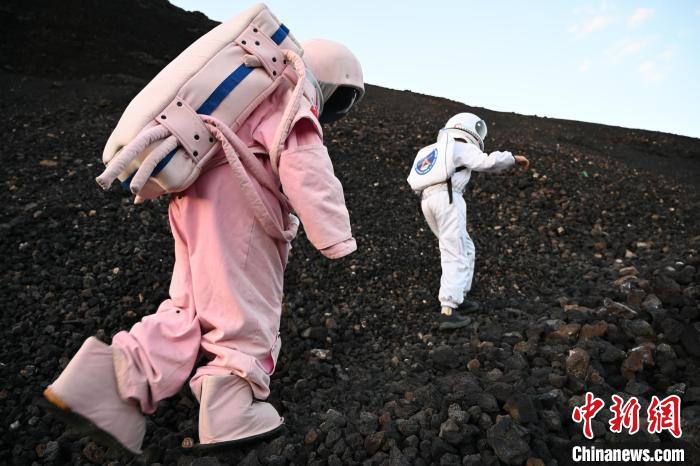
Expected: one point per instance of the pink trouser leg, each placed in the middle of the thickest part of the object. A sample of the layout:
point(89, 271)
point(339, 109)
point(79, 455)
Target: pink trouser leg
point(238, 277)
point(226, 296)
point(157, 355)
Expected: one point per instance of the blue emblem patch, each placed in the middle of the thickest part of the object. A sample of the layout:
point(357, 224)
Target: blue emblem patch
point(426, 164)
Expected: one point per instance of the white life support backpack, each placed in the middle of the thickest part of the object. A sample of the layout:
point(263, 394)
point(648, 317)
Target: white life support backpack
point(434, 164)
point(193, 107)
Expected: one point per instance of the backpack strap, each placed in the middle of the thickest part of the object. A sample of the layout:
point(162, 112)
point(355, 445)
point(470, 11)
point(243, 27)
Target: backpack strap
point(248, 158)
point(241, 158)
point(290, 112)
point(449, 182)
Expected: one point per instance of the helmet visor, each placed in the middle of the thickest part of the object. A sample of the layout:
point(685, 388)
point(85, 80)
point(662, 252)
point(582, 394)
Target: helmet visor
point(339, 104)
point(480, 128)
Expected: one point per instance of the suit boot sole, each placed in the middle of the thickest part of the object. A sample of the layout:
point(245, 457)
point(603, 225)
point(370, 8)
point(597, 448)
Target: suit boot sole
point(84, 426)
point(454, 325)
point(210, 447)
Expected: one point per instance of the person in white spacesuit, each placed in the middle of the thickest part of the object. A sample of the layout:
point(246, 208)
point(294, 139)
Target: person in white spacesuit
point(439, 174)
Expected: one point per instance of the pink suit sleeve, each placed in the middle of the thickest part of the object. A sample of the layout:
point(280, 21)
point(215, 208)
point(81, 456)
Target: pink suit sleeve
point(307, 177)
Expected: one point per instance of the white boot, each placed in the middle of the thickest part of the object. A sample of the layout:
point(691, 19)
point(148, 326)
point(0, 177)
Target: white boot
point(228, 414)
point(86, 395)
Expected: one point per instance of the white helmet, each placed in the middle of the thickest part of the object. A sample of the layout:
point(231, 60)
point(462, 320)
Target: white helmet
point(467, 126)
point(339, 75)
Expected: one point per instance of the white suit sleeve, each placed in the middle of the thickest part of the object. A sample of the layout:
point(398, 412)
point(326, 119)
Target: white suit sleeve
point(468, 155)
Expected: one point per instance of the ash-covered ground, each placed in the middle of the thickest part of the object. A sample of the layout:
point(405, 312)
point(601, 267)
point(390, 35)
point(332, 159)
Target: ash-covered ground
point(587, 266)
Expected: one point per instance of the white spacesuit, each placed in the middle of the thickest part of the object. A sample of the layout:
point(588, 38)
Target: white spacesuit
point(458, 152)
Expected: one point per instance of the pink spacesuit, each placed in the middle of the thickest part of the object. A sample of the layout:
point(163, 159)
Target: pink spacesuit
point(226, 290)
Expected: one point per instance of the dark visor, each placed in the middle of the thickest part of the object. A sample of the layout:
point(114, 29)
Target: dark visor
point(340, 103)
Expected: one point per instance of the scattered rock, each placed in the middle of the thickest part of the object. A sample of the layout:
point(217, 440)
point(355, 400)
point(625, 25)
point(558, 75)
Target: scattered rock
point(206, 461)
point(637, 358)
point(93, 452)
point(373, 442)
point(638, 328)
point(322, 354)
point(667, 289)
point(567, 332)
point(521, 408)
point(509, 441)
point(487, 402)
point(691, 339)
point(577, 363)
point(597, 329)
point(672, 329)
point(315, 333)
point(534, 462)
point(651, 303)
point(368, 424)
point(311, 437)
point(445, 356)
point(187, 442)
point(619, 310)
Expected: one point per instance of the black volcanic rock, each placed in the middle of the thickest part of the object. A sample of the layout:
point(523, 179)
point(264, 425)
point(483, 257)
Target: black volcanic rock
point(86, 38)
point(509, 441)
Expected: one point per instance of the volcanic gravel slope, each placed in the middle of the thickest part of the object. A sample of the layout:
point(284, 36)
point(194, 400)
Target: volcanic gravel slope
point(587, 266)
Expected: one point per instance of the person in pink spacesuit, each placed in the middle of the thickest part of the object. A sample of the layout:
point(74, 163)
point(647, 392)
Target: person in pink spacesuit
point(226, 289)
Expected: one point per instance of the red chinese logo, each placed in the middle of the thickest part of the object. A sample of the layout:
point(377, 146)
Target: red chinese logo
point(587, 412)
point(661, 415)
point(624, 415)
point(665, 415)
